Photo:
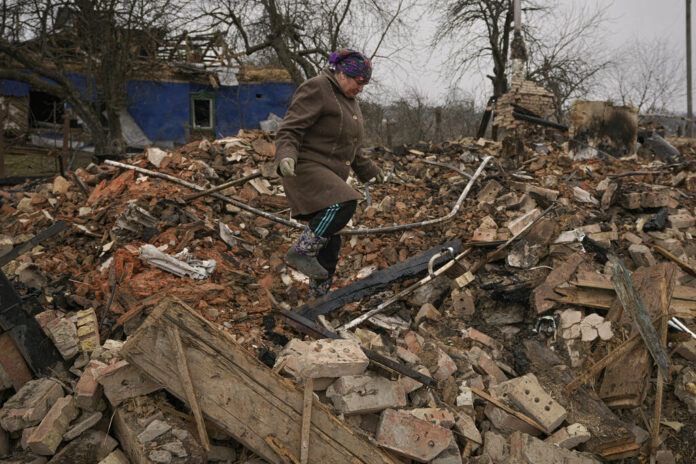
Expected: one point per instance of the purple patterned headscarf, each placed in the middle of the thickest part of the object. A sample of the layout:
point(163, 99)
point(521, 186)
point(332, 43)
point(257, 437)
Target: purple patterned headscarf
point(352, 63)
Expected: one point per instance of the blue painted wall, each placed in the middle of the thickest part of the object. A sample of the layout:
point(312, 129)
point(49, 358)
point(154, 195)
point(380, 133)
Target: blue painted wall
point(163, 109)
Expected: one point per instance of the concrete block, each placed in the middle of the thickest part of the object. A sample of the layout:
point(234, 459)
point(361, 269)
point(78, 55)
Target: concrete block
point(122, 381)
point(30, 404)
point(362, 394)
point(154, 430)
point(641, 255)
point(411, 437)
point(439, 416)
point(88, 391)
point(570, 437)
point(49, 433)
point(84, 423)
point(527, 394)
point(333, 358)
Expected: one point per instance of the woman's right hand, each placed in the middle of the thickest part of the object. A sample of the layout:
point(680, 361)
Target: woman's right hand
point(287, 167)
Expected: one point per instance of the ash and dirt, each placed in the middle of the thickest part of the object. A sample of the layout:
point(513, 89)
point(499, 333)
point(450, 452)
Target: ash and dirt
point(82, 265)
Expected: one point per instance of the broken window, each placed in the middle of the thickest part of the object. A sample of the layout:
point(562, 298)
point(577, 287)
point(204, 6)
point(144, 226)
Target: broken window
point(202, 111)
point(45, 109)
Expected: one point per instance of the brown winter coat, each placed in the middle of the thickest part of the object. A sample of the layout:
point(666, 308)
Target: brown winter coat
point(322, 131)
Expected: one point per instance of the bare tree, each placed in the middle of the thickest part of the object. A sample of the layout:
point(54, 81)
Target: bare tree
point(646, 74)
point(479, 32)
point(106, 40)
point(301, 34)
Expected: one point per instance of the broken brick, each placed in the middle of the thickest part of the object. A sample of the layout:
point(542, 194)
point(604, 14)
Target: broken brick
point(413, 438)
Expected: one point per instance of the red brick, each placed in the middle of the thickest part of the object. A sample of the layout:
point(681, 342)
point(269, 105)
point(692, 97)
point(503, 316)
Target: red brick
point(12, 362)
point(49, 433)
point(482, 338)
point(87, 391)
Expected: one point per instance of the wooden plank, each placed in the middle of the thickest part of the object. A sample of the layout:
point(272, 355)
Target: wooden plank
point(686, 266)
point(617, 388)
point(375, 282)
point(601, 281)
point(666, 293)
point(237, 392)
point(582, 406)
point(306, 419)
point(604, 299)
point(187, 385)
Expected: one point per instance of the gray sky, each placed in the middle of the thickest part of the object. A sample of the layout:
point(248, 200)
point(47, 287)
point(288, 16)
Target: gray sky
point(419, 68)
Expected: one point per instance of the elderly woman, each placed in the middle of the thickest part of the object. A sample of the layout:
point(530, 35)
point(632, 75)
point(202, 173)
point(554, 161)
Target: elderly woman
point(318, 142)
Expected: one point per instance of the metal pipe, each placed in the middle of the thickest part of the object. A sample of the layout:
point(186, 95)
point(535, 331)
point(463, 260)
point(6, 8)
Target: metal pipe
point(435, 163)
point(217, 188)
point(382, 306)
point(298, 225)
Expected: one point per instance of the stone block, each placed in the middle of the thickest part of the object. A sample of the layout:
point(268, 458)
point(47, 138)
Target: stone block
point(84, 423)
point(439, 416)
point(87, 330)
point(63, 333)
point(88, 391)
point(333, 358)
point(570, 437)
point(641, 255)
point(122, 381)
point(362, 394)
point(30, 404)
point(48, 435)
point(527, 394)
point(411, 437)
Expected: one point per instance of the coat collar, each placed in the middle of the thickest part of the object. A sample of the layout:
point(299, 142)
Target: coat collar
point(332, 78)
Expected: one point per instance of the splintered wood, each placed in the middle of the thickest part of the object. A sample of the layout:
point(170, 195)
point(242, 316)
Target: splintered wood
point(237, 392)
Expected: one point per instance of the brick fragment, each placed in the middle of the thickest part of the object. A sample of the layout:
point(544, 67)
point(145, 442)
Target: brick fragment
point(410, 385)
point(333, 358)
point(14, 371)
point(466, 426)
point(115, 457)
point(570, 437)
point(63, 333)
point(641, 255)
point(507, 422)
point(681, 221)
point(439, 416)
point(84, 423)
point(88, 391)
point(427, 311)
point(30, 404)
point(481, 360)
point(154, 430)
point(527, 394)
point(362, 394)
point(414, 438)
point(49, 433)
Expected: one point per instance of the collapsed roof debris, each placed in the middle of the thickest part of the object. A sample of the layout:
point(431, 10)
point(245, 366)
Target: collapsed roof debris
point(480, 313)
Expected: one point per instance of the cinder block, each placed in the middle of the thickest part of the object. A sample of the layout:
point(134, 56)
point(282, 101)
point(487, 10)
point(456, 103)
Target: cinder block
point(409, 436)
point(49, 433)
point(333, 358)
point(362, 394)
point(526, 393)
point(30, 404)
point(87, 391)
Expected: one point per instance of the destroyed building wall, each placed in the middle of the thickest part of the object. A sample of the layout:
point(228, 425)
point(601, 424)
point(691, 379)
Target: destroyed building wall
point(598, 125)
point(163, 109)
point(522, 93)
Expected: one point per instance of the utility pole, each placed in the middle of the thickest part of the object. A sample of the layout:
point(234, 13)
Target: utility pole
point(689, 99)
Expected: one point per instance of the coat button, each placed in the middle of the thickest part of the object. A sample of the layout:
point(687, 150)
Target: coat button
point(347, 163)
point(355, 116)
point(355, 139)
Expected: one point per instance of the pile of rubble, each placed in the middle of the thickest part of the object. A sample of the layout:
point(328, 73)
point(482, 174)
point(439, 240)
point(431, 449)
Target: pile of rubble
point(523, 350)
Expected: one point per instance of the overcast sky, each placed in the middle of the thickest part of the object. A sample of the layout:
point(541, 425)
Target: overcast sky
point(419, 68)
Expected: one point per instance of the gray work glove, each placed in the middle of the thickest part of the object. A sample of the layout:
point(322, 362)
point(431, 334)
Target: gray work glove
point(287, 167)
